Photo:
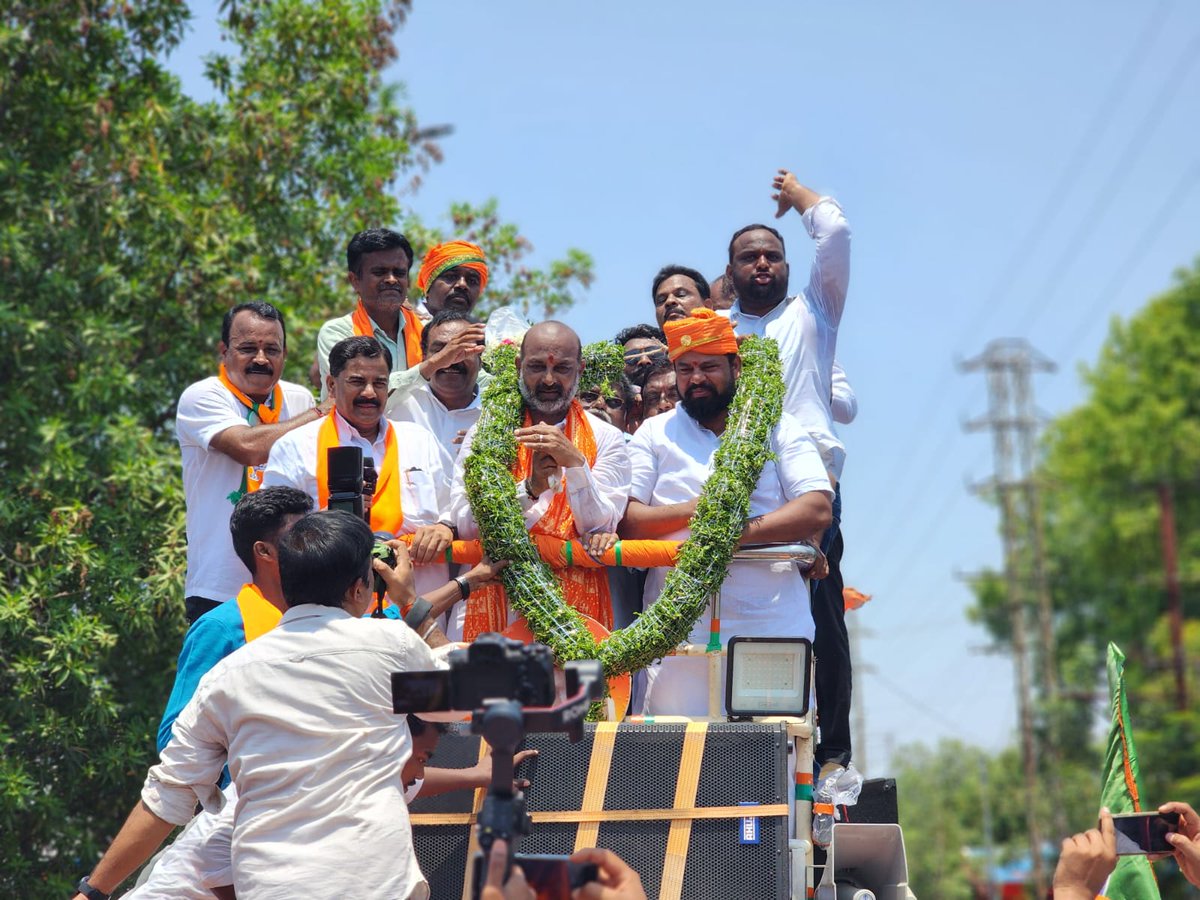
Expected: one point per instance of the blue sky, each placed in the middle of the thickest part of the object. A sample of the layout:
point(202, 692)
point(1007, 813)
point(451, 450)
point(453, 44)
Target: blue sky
point(1017, 169)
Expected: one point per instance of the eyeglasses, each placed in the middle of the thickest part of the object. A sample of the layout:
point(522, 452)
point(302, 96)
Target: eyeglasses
point(591, 397)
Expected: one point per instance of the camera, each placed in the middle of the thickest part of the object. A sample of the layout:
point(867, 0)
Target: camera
point(493, 667)
point(345, 478)
point(509, 688)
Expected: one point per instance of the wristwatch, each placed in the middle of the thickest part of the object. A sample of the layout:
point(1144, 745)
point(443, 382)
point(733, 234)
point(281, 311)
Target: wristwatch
point(88, 891)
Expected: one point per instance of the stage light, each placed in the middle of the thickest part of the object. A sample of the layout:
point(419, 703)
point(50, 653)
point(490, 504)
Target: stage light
point(767, 676)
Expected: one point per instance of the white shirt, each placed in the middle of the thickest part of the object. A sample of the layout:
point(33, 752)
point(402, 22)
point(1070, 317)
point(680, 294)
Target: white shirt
point(423, 408)
point(424, 473)
point(196, 862)
point(805, 327)
point(672, 457)
point(843, 403)
point(303, 715)
point(205, 410)
point(596, 495)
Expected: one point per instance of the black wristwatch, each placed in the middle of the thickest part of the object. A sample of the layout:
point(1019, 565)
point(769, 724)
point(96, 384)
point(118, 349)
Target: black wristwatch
point(417, 613)
point(88, 891)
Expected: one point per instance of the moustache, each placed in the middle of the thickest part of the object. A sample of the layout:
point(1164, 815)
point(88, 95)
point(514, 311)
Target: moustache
point(456, 368)
point(374, 404)
point(259, 370)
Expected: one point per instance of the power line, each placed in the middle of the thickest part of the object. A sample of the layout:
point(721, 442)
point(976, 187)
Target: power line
point(1154, 227)
point(1138, 142)
point(1074, 166)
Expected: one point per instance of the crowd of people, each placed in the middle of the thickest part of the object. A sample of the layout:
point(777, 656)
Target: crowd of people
point(279, 723)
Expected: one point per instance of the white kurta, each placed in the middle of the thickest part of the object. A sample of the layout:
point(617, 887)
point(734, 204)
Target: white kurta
point(206, 409)
point(672, 457)
point(806, 326)
point(597, 496)
point(303, 716)
point(423, 408)
point(424, 473)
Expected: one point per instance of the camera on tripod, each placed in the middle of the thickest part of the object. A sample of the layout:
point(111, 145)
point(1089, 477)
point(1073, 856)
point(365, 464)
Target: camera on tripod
point(509, 689)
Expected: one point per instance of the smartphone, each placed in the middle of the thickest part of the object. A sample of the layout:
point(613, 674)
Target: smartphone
point(1142, 834)
point(550, 877)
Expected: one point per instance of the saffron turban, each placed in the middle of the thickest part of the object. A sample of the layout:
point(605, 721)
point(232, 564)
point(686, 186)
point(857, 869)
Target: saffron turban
point(450, 255)
point(703, 331)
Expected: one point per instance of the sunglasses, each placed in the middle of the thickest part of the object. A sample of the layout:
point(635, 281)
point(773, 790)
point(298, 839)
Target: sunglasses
point(652, 355)
point(590, 397)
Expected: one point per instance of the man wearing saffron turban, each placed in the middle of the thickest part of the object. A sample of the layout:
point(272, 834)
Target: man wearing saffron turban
point(453, 276)
point(378, 261)
point(672, 457)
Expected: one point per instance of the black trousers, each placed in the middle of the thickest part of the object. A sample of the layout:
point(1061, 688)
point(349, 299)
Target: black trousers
point(833, 669)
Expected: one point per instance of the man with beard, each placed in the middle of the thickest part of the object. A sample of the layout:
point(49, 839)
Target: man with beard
point(644, 346)
point(378, 262)
point(672, 457)
point(806, 328)
point(226, 425)
point(411, 492)
point(453, 276)
point(676, 291)
point(572, 474)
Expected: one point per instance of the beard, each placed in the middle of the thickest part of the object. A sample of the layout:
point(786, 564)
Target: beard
point(762, 294)
point(703, 408)
point(549, 406)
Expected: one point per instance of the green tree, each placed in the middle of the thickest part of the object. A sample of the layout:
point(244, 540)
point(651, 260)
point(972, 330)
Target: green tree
point(132, 217)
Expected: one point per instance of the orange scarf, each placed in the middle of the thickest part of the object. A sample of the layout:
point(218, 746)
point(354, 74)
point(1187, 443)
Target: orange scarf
point(584, 589)
point(268, 414)
point(364, 327)
point(386, 511)
point(259, 615)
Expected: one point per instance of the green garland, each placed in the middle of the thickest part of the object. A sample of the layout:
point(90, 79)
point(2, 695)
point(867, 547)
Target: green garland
point(704, 558)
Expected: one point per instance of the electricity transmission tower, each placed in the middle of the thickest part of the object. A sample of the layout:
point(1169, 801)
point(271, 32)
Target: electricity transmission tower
point(1008, 364)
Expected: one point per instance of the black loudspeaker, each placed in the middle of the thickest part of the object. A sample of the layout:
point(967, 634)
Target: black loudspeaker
point(662, 790)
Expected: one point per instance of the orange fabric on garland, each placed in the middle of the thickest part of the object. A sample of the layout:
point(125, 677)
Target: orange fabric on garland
point(386, 511)
point(637, 554)
point(412, 331)
point(584, 589)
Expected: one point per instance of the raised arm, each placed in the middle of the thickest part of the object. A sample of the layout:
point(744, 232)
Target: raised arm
point(823, 218)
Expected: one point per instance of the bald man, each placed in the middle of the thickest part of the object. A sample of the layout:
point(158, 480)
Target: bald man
point(572, 472)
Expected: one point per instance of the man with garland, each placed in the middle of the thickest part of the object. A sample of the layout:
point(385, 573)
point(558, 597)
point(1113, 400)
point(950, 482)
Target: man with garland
point(226, 425)
point(378, 263)
point(805, 326)
point(413, 470)
point(571, 474)
point(672, 457)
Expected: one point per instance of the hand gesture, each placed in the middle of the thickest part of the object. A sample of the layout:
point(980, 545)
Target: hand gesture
point(464, 345)
point(791, 194)
point(617, 880)
point(598, 543)
point(485, 573)
point(429, 543)
point(398, 579)
point(496, 888)
point(1187, 841)
point(1086, 862)
point(543, 438)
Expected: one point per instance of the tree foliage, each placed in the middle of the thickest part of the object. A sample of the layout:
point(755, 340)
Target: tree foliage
point(131, 217)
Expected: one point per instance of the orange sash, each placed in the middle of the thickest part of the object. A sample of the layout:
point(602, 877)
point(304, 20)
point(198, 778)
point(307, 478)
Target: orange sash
point(386, 511)
point(268, 414)
point(259, 615)
point(584, 589)
point(364, 327)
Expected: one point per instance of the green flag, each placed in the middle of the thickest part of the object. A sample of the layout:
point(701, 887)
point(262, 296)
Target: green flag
point(1133, 878)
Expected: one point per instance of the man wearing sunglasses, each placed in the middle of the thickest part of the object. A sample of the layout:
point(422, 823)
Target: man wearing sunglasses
point(644, 346)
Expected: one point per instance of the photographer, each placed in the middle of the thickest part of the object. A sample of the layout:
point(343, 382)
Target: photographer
point(303, 716)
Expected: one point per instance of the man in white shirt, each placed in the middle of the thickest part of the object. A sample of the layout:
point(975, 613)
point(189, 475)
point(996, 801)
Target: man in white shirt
point(804, 325)
point(226, 425)
point(303, 717)
point(413, 470)
point(676, 291)
point(449, 404)
point(573, 471)
point(379, 261)
point(672, 456)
